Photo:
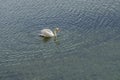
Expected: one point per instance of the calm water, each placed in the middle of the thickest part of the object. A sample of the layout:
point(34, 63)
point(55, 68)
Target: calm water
point(87, 48)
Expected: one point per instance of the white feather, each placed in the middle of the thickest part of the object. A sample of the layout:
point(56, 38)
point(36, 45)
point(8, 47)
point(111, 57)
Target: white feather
point(47, 33)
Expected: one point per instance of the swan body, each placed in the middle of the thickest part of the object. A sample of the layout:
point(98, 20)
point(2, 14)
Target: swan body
point(49, 33)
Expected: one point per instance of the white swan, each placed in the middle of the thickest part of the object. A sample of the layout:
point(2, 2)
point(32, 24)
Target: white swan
point(49, 33)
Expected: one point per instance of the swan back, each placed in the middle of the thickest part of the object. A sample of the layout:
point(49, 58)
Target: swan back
point(47, 33)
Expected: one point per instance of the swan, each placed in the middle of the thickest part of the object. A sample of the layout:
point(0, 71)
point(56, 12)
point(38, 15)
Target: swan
point(49, 33)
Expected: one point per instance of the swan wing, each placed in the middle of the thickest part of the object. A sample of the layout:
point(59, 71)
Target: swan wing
point(47, 33)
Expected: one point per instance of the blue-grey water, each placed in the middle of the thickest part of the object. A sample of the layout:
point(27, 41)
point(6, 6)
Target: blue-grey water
point(87, 47)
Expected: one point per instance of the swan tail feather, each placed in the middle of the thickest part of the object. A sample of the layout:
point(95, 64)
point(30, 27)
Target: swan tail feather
point(41, 35)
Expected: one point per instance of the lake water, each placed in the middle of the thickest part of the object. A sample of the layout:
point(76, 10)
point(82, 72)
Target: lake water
point(87, 47)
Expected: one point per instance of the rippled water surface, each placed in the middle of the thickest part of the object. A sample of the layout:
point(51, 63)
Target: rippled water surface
point(87, 47)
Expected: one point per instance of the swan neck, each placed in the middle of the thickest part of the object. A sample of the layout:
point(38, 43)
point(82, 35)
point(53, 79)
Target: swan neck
point(55, 33)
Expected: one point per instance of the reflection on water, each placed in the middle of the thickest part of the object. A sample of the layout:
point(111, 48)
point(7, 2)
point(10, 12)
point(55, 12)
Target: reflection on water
point(87, 48)
point(54, 39)
point(46, 39)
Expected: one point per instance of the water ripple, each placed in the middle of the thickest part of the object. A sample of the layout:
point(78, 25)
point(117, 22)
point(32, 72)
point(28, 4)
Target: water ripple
point(84, 25)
